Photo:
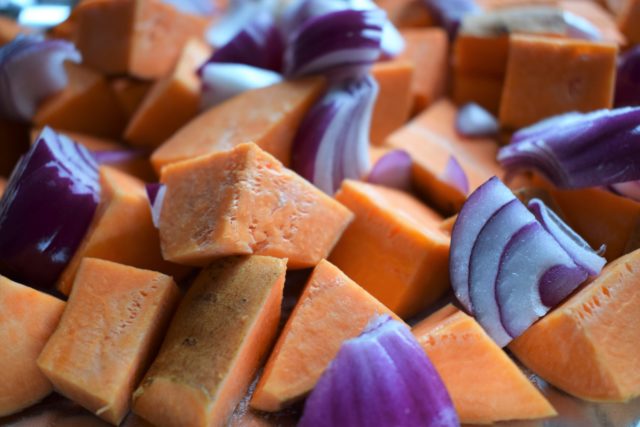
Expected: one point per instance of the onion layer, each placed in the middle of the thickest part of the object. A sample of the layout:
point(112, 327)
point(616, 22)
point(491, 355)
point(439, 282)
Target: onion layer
point(473, 121)
point(392, 170)
point(381, 378)
point(156, 193)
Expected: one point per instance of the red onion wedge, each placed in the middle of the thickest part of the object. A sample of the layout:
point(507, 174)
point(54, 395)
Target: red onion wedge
point(392, 170)
point(31, 69)
point(223, 81)
point(579, 250)
point(332, 143)
point(237, 16)
point(455, 175)
point(506, 268)
point(627, 90)
point(48, 205)
point(449, 13)
point(473, 121)
point(156, 193)
point(577, 150)
point(381, 378)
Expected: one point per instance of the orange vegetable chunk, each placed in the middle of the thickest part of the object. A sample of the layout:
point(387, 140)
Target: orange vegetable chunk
point(3, 185)
point(27, 319)
point(483, 382)
point(115, 318)
point(431, 140)
point(172, 101)
point(588, 346)
point(548, 76)
point(428, 50)
point(130, 93)
point(407, 13)
point(9, 29)
point(244, 201)
point(628, 20)
point(86, 105)
point(393, 248)
point(121, 230)
point(142, 38)
point(268, 116)
point(331, 309)
point(223, 328)
point(393, 103)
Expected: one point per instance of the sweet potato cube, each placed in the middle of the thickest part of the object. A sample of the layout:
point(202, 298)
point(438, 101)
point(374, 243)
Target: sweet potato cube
point(86, 105)
point(130, 93)
point(142, 38)
point(431, 140)
point(244, 201)
point(588, 346)
point(331, 309)
point(393, 103)
point(393, 248)
point(172, 101)
point(27, 319)
point(269, 117)
point(483, 382)
point(548, 76)
point(115, 318)
point(121, 230)
point(223, 328)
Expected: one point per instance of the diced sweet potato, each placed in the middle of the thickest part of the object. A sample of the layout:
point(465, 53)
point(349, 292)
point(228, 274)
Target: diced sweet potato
point(130, 93)
point(244, 201)
point(431, 140)
point(548, 76)
point(407, 13)
point(115, 318)
point(428, 50)
point(394, 100)
point(171, 102)
point(86, 105)
point(600, 17)
point(483, 382)
point(27, 319)
point(393, 248)
point(588, 346)
point(220, 333)
point(121, 230)
point(269, 117)
point(142, 38)
point(331, 309)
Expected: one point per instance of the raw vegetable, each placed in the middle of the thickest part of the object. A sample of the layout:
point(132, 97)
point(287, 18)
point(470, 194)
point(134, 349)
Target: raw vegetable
point(31, 69)
point(392, 170)
point(628, 78)
point(130, 93)
point(588, 346)
point(243, 201)
point(238, 15)
point(27, 319)
point(311, 338)
point(454, 175)
point(474, 121)
point(485, 385)
point(197, 7)
point(393, 102)
point(393, 248)
point(576, 150)
point(223, 328)
point(382, 377)
point(47, 207)
point(449, 13)
point(115, 318)
point(155, 194)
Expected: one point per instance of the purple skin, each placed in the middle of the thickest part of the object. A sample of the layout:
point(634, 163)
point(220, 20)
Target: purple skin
point(392, 170)
point(473, 121)
point(47, 207)
point(152, 191)
point(449, 13)
point(627, 90)
point(455, 175)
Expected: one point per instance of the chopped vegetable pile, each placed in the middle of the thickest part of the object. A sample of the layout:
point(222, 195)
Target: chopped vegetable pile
point(319, 212)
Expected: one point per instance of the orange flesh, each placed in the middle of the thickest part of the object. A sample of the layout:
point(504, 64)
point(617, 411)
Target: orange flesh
point(9, 29)
point(406, 13)
point(331, 309)
point(588, 346)
point(483, 382)
point(244, 201)
point(130, 93)
point(220, 333)
point(27, 320)
point(114, 320)
point(269, 117)
point(121, 231)
point(601, 18)
point(393, 248)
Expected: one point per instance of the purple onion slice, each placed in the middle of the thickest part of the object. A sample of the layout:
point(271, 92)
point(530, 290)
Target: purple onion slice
point(32, 69)
point(332, 143)
point(48, 205)
point(581, 28)
point(473, 121)
point(156, 193)
point(222, 81)
point(577, 150)
point(455, 175)
point(238, 15)
point(381, 378)
point(449, 13)
point(392, 170)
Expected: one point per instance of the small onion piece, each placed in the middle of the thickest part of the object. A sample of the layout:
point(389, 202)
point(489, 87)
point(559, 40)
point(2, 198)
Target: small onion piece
point(332, 143)
point(222, 81)
point(381, 378)
point(579, 250)
point(449, 13)
point(116, 157)
point(392, 170)
point(455, 175)
point(627, 90)
point(577, 150)
point(156, 193)
point(32, 69)
point(48, 205)
point(238, 15)
point(473, 121)
point(581, 28)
